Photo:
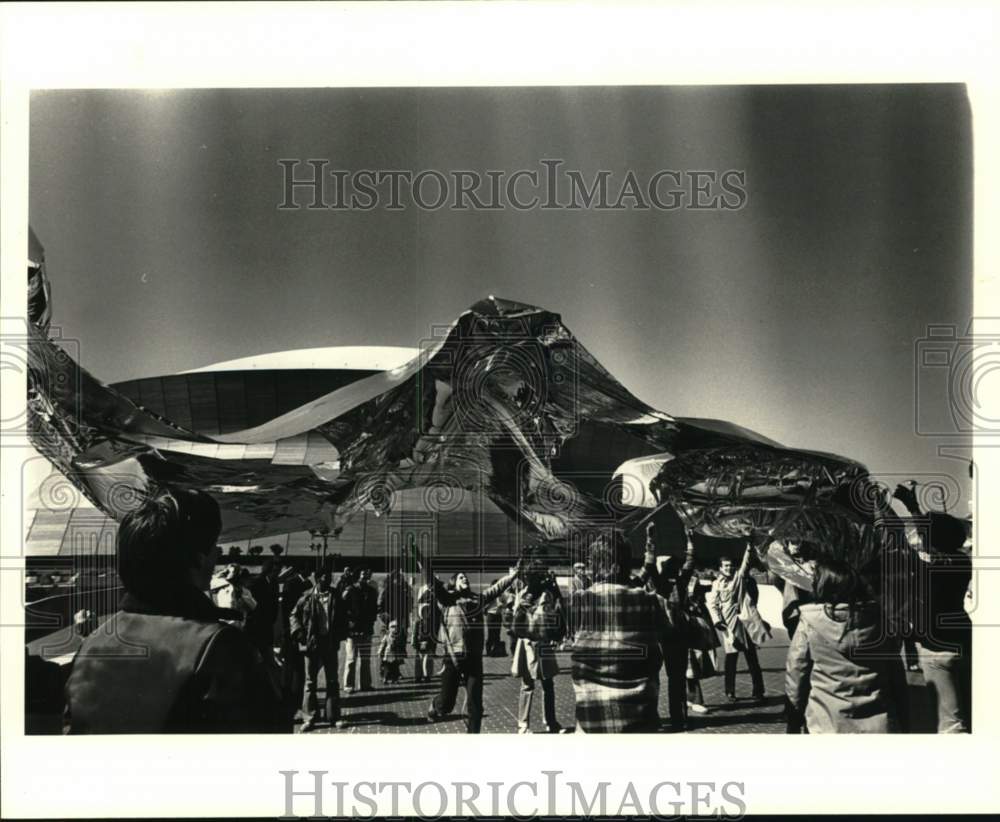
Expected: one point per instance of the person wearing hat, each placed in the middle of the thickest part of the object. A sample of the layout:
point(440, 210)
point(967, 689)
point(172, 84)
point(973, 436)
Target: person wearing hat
point(230, 591)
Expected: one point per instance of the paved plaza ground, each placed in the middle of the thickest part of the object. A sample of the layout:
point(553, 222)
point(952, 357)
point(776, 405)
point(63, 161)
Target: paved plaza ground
point(402, 708)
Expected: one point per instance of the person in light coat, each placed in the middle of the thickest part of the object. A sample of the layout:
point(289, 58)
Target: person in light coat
point(837, 673)
point(733, 604)
point(535, 659)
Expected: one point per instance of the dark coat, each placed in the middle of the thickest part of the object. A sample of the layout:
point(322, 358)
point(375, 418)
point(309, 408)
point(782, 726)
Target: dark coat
point(260, 621)
point(361, 605)
point(171, 667)
point(306, 624)
point(292, 585)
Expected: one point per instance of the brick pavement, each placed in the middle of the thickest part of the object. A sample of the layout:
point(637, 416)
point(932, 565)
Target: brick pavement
point(402, 708)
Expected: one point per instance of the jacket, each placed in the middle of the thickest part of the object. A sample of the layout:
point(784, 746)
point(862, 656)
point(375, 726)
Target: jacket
point(617, 654)
point(838, 670)
point(171, 667)
point(425, 634)
point(291, 585)
point(942, 623)
point(260, 621)
point(314, 629)
point(674, 595)
point(536, 660)
point(388, 648)
point(361, 608)
point(462, 616)
point(733, 602)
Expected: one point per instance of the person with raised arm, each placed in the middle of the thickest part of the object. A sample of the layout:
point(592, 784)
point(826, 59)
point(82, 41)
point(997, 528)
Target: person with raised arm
point(672, 585)
point(462, 636)
point(733, 604)
point(943, 628)
point(618, 650)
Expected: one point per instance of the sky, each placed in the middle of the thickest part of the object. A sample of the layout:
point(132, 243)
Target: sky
point(798, 315)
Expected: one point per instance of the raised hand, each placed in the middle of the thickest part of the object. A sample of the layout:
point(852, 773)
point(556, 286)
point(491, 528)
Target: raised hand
point(908, 496)
point(411, 552)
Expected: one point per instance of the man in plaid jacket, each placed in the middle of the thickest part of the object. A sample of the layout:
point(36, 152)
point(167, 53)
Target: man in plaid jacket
point(620, 634)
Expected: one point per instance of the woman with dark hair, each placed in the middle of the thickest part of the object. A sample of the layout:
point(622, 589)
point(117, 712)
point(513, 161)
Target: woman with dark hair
point(838, 671)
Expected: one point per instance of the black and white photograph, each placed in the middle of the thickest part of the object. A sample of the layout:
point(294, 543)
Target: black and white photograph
point(502, 409)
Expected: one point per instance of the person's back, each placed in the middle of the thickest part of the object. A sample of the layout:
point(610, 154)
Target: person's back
point(617, 650)
point(145, 671)
point(943, 577)
point(837, 670)
point(616, 656)
point(165, 662)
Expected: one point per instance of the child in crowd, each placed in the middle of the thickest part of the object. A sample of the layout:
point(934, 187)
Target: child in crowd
point(388, 653)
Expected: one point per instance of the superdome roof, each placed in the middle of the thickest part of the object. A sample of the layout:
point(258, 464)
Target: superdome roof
point(345, 357)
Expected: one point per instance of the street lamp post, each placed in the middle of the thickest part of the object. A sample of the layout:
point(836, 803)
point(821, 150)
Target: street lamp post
point(324, 535)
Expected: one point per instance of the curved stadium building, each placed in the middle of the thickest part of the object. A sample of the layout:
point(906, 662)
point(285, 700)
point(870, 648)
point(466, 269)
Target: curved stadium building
point(239, 394)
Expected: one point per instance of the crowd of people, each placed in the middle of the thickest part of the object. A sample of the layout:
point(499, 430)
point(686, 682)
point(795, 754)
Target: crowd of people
point(192, 650)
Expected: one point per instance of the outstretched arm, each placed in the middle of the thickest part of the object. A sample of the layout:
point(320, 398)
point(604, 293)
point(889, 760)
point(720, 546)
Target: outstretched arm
point(503, 583)
point(745, 565)
point(443, 596)
point(908, 496)
point(687, 569)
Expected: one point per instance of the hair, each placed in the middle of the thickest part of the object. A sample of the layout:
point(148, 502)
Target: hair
point(837, 583)
point(809, 550)
point(611, 557)
point(947, 533)
point(161, 540)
